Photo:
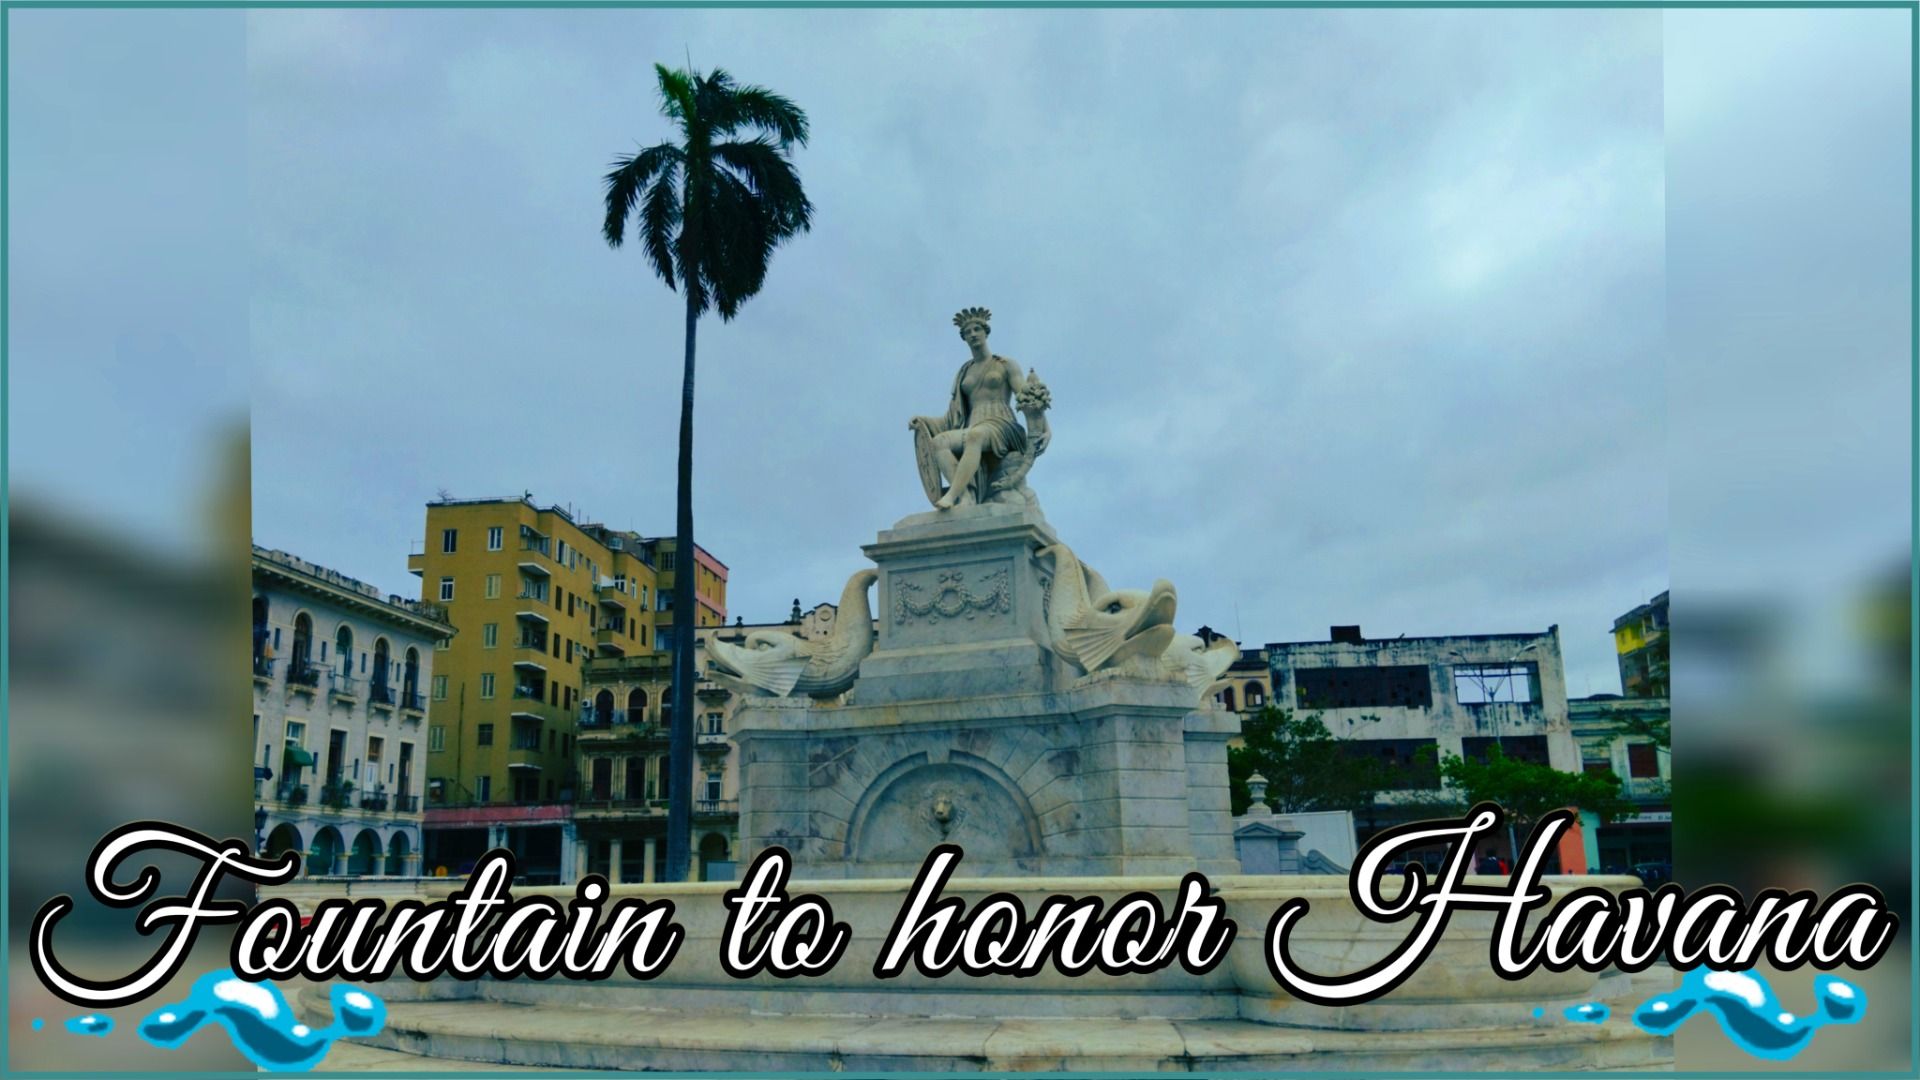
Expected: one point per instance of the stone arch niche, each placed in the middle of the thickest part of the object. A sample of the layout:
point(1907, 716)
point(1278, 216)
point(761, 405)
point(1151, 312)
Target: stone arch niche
point(919, 802)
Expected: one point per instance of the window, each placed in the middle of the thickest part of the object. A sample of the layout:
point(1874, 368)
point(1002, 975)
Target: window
point(437, 739)
point(446, 588)
point(439, 688)
point(569, 652)
point(666, 601)
point(484, 789)
point(449, 540)
point(490, 635)
point(1643, 761)
point(1401, 686)
point(375, 744)
point(296, 733)
point(1528, 748)
point(493, 586)
point(484, 735)
point(1410, 764)
point(666, 561)
point(486, 685)
point(713, 787)
point(495, 541)
point(1480, 684)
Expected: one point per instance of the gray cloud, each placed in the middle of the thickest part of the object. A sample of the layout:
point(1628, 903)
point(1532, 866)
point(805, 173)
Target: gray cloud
point(1348, 316)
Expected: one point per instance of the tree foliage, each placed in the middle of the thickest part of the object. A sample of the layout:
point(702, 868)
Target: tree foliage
point(1305, 766)
point(712, 207)
point(1527, 790)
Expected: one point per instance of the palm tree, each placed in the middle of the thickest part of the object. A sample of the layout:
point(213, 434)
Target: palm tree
point(711, 209)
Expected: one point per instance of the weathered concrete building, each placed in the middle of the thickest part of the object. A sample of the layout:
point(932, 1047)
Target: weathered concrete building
point(1616, 735)
point(1413, 700)
point(1640, 640)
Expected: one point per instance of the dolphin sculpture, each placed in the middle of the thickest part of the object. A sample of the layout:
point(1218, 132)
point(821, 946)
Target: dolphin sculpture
point(1094, 626)
point(1196, 663)
point(779, 663)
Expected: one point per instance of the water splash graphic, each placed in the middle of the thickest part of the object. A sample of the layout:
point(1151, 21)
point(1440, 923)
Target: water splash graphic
point(91, 1024)
point(39, 1022)
point(261, 1022)
point(1590, 1013)
point(1749, 1012)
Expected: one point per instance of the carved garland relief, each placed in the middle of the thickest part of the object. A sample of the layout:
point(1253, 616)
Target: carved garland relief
point(951, 597)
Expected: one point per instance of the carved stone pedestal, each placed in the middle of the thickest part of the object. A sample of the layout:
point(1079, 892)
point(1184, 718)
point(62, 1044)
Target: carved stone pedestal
point(965, 727)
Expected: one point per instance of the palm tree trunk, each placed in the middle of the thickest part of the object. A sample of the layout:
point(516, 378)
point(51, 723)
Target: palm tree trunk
point(685, 570)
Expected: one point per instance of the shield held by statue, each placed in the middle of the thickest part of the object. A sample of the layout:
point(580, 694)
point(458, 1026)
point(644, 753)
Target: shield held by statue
point(923, 455)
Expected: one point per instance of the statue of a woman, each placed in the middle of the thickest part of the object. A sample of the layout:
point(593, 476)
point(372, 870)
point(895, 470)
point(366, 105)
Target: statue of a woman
point(978, 449)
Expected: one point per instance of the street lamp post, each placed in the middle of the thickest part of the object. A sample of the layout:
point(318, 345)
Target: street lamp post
point(1488, 697)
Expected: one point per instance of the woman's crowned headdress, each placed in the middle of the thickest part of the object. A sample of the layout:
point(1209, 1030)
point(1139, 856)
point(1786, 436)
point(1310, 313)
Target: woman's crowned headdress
point(973, 315)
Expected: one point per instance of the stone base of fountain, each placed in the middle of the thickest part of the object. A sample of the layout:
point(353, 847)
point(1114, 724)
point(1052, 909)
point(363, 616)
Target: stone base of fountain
point(1453, 1014)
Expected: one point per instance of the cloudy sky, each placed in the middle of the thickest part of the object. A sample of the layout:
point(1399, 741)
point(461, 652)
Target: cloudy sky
point(1349, 317)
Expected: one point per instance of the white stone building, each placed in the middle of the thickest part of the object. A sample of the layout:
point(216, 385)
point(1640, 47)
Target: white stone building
point(340, 678)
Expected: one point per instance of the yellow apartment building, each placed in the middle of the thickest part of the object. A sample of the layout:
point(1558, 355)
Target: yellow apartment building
point(536, 596)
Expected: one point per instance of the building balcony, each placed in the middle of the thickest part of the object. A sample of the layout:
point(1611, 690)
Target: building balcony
point(343, 688)
point(532, 566)
point(529, 614)
point(710, 741)
point(716, 807)
point(412, 702)
point(530, 692)
point(613, 597)
point(523, 757)
point(262, 669)
point(336, 796)
point(613, 639)
point(374, 800)
point(601, 808)
point(417, 564)
point(302, 676)
point(292, 794)
point(406, 804)
point(380, 694)
point(537, 642)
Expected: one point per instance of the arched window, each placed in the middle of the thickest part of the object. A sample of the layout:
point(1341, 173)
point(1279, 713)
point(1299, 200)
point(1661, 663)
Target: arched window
point(636, 706)
point(1226, 698)
point(1256, 695)
point(381, 693)
point(343, 645)
point(603, 707)
point(300, 667)
point(261, 661)
point(410, 680)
